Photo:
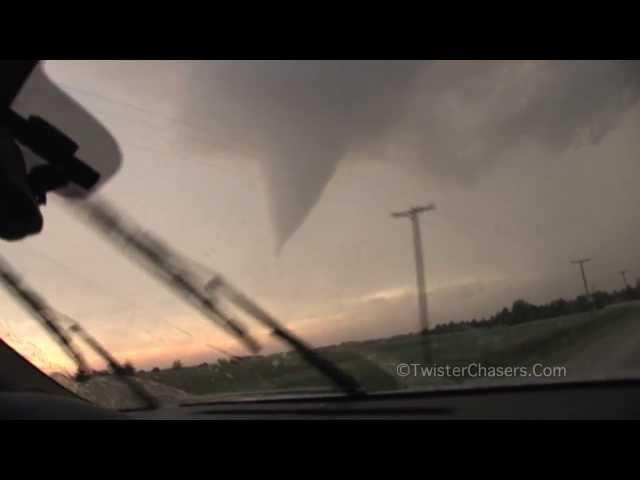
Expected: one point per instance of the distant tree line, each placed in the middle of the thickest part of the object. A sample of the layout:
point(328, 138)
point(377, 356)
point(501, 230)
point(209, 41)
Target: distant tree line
point(522, 311)
point(127, 369)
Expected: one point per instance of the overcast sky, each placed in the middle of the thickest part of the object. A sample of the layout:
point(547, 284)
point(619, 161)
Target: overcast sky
point(282, 176)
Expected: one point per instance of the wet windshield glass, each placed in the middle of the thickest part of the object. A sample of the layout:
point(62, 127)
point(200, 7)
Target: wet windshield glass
point(419, 224)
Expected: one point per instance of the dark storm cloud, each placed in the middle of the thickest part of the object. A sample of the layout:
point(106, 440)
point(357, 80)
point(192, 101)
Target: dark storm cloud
point(466, 117)
point(452, 119)
point(302, 118)
point(573, 97)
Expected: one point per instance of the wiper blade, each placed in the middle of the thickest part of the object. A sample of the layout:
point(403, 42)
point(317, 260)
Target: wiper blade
point(50, 319)
point(340, 378)
point(44, 314)
point(171, 268)
point(115, 366)
point(160, 260)
point(269, 396)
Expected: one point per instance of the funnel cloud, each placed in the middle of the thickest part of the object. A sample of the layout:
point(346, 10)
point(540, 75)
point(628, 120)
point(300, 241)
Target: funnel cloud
point(452, 119)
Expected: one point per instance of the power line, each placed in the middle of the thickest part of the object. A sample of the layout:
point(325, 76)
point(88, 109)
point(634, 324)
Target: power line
point(167, 120)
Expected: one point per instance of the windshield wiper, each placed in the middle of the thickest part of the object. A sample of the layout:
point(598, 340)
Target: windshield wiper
point(175, 272)
point(50, 319)
point(162, 262)
point(44, 315)
point(344, 381)
point(115, 366)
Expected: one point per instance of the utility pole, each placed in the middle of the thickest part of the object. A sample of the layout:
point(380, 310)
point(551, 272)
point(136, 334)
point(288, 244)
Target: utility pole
point(412, 214)
point(624, 277)
point(581, 262)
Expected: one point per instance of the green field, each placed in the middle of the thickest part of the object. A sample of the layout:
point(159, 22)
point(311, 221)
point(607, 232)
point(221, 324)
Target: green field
point(593, 345)
point(583, 343)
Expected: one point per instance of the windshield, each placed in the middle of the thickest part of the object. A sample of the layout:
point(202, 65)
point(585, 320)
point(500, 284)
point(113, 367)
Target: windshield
point(419, 225)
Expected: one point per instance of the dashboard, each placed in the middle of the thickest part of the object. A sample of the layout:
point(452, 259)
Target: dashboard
point(610, 400)
point(614, 400)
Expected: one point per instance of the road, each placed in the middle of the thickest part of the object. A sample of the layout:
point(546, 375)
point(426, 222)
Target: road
point(610, 351)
